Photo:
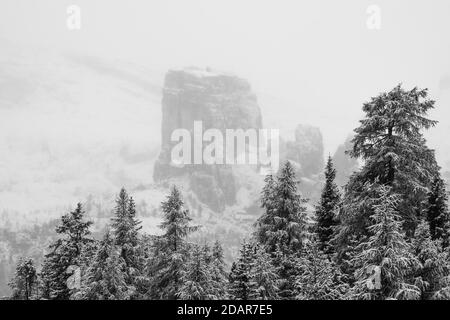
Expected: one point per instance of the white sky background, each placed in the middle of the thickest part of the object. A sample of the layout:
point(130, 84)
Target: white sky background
point(316, 58)
point(319, 56)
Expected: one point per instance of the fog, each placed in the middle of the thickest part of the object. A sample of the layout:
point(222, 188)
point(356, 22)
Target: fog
point(80, 106)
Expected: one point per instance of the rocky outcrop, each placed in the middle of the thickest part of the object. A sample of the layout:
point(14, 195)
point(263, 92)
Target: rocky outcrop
point(344, 164)
point(221, 101)
point(306, 150)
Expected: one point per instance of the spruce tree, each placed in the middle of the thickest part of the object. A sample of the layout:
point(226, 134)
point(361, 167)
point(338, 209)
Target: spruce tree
point(126, 233)
point(290, 226)
point(283, 224)
point(207, 253)
point(327, 210)
point(437, 211)
point(172, 249)
point(264, 276)
point(196, 279)
point(266, 222)
point(390, 142)
point(319, 277)
point(65, 252)
point(345, 259)
point(253, 276)
point(105, 278)
point(218, 256)
point(24, 283)
point(218, 273)
point(390, 138)
point(242, 285)
point(232, 273)
point(385, 262)
point(282, 227)
point(432, 276)
point(75, 230)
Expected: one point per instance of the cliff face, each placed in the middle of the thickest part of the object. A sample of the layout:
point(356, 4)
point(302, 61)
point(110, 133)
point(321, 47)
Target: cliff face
point(306, 150)
point(344, 164)
point(220, 101)
point(223, 101)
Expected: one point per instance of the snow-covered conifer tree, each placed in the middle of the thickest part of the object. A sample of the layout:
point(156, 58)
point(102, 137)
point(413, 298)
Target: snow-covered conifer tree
point(385, 261)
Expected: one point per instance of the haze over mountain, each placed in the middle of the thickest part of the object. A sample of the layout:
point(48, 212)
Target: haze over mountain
point(295, 55)
point(74, 125)
point(84, 107)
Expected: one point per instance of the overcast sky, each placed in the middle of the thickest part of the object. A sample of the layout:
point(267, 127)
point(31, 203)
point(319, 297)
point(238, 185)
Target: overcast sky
point(311, 62)
point(318, 56)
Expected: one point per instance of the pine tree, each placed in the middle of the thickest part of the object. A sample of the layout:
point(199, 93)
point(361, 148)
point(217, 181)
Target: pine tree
point(432, 277)
point(65, 252)
point(290, 227)
point(391, 144)
point(437, 211)
point(126, 233)
point(253, 276)
point(24, 283)
point(75, 230)
point(217, 256)
point(346, 257)
point(264, 276)
point(232, 273)
point(283, 224)
point(105, 278)
point(319, 277)
point(327, 210)
point(282, 228)
point(207, 253)
point(196, 279)
point(385, 262)
point(242, 285)
point(218, 274)
point(172, 249)
point(268, 202)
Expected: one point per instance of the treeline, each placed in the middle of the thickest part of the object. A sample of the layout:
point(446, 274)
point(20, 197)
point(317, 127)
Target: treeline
point(386, 236)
